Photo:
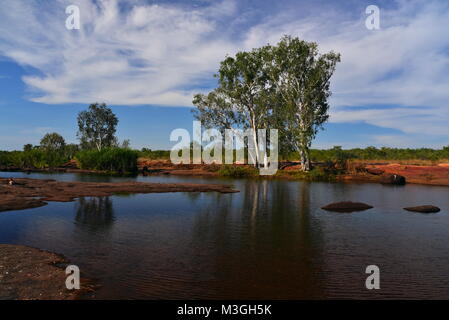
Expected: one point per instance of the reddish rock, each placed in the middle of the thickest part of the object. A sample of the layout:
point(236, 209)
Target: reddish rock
point(346, 206)
point(392, 179)
point(423, 209)
point(32, 193)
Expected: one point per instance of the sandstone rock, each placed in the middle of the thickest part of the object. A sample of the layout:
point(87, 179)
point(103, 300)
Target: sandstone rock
point(392, 179)
point(423, 209)
point(346, 206)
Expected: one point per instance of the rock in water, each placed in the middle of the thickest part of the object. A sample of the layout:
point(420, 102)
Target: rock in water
point(346, 206)
point(392, 179)
point(423, 209)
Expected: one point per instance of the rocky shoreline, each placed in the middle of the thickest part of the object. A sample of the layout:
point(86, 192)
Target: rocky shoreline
point(33, 274)
point(32, 193)
point(385, 173)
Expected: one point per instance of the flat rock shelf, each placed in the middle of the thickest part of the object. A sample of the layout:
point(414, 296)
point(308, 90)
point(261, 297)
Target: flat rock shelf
point(32, 274)
point(32, 193)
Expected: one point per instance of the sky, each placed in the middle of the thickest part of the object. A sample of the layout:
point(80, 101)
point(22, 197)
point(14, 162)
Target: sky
point(146, 59)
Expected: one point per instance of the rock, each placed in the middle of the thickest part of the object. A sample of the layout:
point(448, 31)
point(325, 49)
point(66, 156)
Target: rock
point(346, 206)
point(423, 209)
point(375, 171)
point(392, 179)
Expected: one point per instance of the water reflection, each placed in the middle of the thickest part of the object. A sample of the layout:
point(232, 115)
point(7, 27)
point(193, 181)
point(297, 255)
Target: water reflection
point(94, 214)
point(269, 241)
point(260, 244)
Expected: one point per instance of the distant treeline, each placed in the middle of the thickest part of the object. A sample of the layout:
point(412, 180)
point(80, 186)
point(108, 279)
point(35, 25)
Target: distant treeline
point(384, 153)
point(118, 159)
point(337, 153)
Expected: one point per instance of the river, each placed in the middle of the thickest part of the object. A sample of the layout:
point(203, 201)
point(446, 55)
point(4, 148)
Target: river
point(270, 241)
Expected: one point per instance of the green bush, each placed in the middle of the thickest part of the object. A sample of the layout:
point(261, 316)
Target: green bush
point(109, 159)
point(320, 174)
point(237, 171)
point(34, 158)
point(154, 154)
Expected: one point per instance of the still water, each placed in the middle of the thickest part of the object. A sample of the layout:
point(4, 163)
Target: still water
point(270, 241)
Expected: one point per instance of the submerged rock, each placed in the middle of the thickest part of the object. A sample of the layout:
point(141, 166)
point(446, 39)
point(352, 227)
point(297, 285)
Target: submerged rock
point(392, 179)
point(347, 206)
point(423, 209)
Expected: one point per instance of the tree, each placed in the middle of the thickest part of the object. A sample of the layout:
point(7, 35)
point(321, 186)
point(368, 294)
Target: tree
point(53, 145)
point(284, 86)
point(27, 147)
point(241, 96)
point(302, 77)
point(52, 142)
point(97, 127)
point(126, 144)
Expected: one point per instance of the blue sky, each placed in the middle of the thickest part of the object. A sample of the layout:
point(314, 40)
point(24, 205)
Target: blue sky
point(147, 58)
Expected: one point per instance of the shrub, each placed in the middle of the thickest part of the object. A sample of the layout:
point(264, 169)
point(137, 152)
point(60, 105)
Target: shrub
point(237, 171)
point(34, 158)
point(320, 174)
point(109, 159)
point(154, 154)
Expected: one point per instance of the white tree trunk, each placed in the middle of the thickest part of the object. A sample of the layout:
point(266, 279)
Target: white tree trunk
point(256, 145)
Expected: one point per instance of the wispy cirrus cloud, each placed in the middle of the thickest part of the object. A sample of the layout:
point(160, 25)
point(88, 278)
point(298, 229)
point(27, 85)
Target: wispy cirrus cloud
point(131, 53)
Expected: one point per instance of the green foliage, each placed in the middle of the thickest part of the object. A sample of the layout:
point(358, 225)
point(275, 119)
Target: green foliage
point(337, 154)
point(34, 158)
point(237, 171)
point(154, 154)
point(285, 86)
point(71, 150)
point(316, 174)
point(302, 77)
point(28, 147)
point(52, 142)
point(108, 159)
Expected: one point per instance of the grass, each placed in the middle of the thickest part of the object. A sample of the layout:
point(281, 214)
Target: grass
point(109, 159)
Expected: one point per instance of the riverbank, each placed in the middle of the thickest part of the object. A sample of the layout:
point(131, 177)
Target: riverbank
point(32, 193)
point(32, 274)
point(360, 171)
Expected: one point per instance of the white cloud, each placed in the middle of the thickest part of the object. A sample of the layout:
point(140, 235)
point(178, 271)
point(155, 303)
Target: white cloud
point(145, 55)
point(162, 54)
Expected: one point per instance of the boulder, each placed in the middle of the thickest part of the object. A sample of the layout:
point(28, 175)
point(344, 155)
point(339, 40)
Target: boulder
point(423, 209)
point(346, 206)
point(392, 179)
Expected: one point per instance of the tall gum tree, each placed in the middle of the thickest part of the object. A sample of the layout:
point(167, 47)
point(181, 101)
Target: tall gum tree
point(302, 78)
point(241, 96)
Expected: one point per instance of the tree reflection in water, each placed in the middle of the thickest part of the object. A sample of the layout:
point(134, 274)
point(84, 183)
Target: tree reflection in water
point(95, 213)
point(256, 243)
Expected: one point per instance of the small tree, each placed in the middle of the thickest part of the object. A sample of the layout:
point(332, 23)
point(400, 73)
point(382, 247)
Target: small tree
point(27, 147)
point(97, 127)
point(126, 144)
point(53, 145)
point(52, 142)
